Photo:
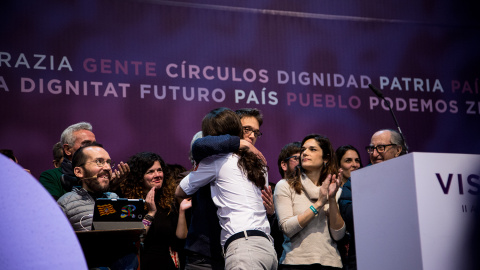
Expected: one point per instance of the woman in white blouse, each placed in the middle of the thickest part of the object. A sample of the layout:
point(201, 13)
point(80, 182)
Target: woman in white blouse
point(307, 209)
point(236, 182)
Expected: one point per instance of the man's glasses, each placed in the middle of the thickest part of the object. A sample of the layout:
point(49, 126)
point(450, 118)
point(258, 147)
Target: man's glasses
point(296, 158)
point(380, 148)
point(248, 130)
point(100, 163)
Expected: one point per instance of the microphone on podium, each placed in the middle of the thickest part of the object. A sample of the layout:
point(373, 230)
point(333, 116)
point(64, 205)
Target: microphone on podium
point(379, 94)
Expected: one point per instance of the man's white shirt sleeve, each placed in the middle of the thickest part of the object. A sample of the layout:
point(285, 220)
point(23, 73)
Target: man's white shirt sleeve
point(205, 173)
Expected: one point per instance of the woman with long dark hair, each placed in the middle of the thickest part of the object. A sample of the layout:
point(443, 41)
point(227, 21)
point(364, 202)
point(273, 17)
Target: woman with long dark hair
point(307, 209)
point(236, 181)
point(349, 160)
point(165, 221)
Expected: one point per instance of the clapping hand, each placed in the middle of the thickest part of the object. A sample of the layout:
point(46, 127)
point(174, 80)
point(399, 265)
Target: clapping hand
point(334, 184)
point(329, 187)
point(185, 204)
point(150, 200)
point(267, 198)
point(119, 175)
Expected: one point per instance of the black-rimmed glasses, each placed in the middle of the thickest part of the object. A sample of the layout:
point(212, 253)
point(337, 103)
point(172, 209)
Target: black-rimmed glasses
point(248, 130)
point(296, 158)
point(380, 148)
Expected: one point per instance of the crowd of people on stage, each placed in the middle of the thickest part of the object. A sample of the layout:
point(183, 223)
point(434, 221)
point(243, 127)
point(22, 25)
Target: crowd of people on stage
point(223, 213)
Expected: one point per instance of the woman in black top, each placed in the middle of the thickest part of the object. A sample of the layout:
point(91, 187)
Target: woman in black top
point(165, 221)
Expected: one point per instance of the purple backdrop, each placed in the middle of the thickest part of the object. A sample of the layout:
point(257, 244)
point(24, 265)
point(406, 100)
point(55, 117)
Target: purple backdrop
point(144, 73)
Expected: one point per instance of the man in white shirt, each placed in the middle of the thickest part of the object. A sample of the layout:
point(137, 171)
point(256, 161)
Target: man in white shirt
point(245, 235)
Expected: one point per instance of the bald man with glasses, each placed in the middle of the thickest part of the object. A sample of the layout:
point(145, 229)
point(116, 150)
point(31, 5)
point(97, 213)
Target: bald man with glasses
point(93, 168)
point(385, 144)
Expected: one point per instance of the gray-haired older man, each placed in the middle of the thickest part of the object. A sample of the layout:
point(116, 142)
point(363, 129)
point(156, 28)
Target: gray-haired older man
point(60, 180)
point(384, 145)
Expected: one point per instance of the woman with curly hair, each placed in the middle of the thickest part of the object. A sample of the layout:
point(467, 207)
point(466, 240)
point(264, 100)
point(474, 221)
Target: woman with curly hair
point(236, 182)
point(307, 209)
point(165, 220)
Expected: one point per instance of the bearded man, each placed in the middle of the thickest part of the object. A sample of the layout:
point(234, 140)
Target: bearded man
point(93, 167)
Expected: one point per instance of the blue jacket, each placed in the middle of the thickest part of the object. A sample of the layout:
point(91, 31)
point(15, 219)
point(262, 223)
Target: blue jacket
point(345, 206)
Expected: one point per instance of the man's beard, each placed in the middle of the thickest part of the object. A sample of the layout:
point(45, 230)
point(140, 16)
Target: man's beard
point(92, 182)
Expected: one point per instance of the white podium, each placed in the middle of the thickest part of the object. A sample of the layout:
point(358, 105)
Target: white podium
point(416, 211)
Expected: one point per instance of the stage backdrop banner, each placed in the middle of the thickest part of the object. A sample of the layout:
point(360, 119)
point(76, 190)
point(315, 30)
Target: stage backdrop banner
point(144, 73)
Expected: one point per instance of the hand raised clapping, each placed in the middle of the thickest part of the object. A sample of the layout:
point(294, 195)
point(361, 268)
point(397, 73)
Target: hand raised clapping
point(329, 187)
point(185, 204)
point(150, 200)
point(119, 175)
